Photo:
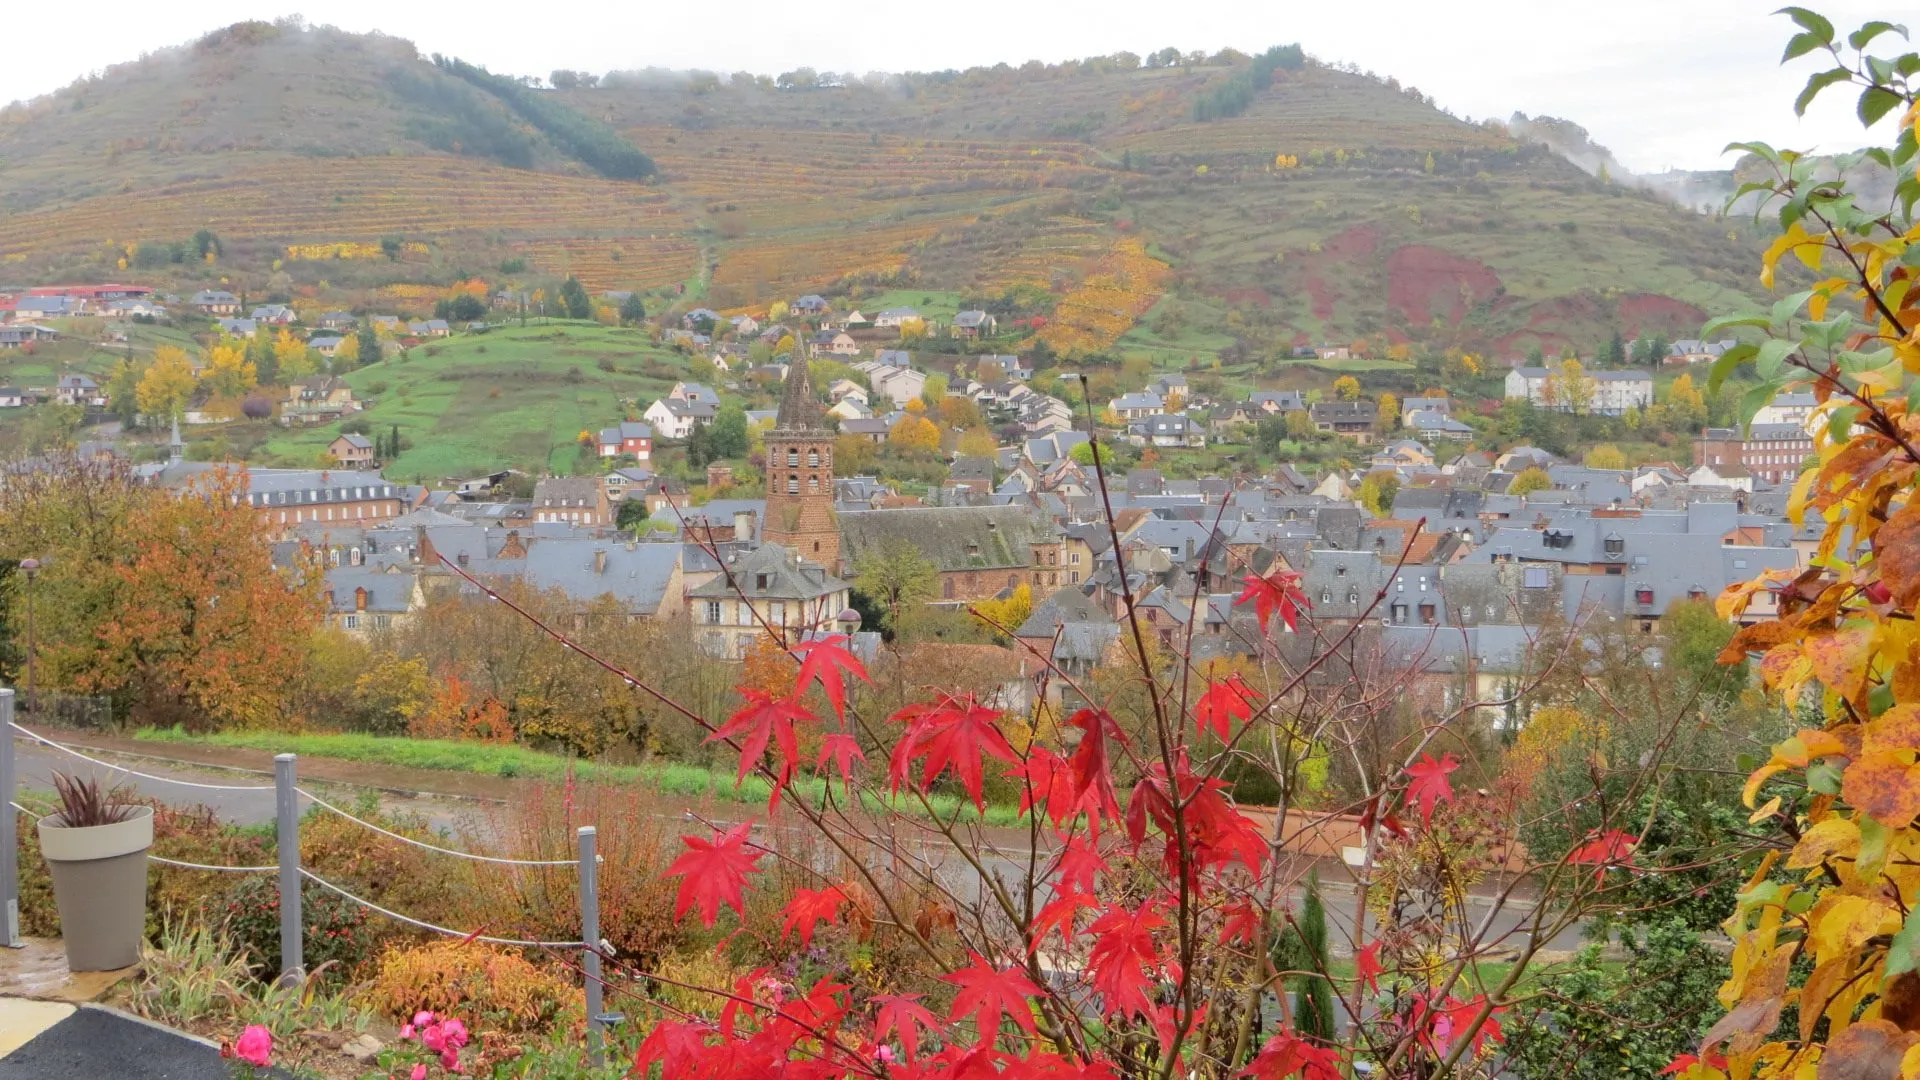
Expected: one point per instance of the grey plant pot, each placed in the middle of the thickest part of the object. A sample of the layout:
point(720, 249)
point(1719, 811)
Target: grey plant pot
point(100, 886)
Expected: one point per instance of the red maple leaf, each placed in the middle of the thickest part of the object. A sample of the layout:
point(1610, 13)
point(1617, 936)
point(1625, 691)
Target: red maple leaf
point(713, 871)
point(1224, 702)
point(1370, 816)
point(1366, 966)
point(1058, 915)
point(1604, 852)
point(988, 993)
point(1080, 860)
point(676, 1046)
point(903, 1016)
point(1123, 958)
point(764, 718)
point(1287, 1054)
point(1687, 1061)
point(808, 909)
point(1092, 776)
point(1427, 782)
point(843, 750)
point(1044, 783)
point(954, 732)
point(1278, 591)
point(1241, 925)
point(828, 662)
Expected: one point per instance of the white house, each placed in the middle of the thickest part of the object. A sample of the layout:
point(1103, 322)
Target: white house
point(1608, 393)
point(1135, 406)
point(674, 418)
point(1796, 409)
point(1723, 476)
point(898, 385)
point(893, 318)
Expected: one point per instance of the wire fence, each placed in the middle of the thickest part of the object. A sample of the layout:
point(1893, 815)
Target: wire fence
point(287, 796)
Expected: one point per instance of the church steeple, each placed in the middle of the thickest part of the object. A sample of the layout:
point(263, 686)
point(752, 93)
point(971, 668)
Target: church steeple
point(799, 467)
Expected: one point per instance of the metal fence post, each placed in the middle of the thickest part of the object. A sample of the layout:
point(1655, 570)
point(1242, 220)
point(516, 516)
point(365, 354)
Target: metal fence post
point(9, 829)
point(590, 936)
point(286, 803)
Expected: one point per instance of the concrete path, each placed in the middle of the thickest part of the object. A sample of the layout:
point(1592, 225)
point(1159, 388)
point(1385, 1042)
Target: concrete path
point(41, 1040)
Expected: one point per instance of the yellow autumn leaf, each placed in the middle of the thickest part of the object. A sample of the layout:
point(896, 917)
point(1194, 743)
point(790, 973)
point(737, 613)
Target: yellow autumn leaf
point(1767, 810)
point(1836, 837)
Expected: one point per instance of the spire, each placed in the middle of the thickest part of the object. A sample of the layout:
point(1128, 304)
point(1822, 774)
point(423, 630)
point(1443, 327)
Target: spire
point(176, 448)
point(799, 408)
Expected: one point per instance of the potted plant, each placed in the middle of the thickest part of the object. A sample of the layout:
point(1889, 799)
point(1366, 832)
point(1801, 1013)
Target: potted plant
point(96, 851)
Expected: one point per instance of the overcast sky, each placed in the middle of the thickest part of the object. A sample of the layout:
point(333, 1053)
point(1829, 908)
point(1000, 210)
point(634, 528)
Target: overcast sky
point(1660, 82)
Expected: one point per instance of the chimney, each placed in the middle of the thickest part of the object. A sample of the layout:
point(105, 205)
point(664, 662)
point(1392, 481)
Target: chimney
point(513, 548)
point(461, 559)
point(360, 599)
point(743, 526)
point(599, 560)
point(1189, 549)
point(424, 546)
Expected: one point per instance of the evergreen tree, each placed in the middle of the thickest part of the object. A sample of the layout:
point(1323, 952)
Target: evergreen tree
point(574, 296)
point(1302, 947)
point(369, 345)
point(1616, 351)
point(632, 310)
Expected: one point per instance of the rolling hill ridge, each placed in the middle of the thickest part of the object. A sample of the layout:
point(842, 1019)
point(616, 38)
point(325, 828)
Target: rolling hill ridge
point(1325, 205)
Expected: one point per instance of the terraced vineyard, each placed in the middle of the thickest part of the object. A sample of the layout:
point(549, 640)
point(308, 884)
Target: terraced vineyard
point(618, 262)
point(754, 273)
point(1120, 289)
point(345, 200)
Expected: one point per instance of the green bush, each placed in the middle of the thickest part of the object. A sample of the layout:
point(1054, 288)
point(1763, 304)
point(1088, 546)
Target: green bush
point(336, 928)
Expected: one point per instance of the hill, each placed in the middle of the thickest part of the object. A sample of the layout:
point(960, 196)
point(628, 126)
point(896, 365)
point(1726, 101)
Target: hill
point(1312, 204)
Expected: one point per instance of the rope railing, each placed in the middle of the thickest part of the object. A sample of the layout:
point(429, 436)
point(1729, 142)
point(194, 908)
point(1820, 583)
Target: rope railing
point(410, 921)
point(324, 804)
point(44, 741)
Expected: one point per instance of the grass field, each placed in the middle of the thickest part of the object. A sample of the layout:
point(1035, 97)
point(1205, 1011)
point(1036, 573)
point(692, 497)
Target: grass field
point(515, 396)
point(490, 759)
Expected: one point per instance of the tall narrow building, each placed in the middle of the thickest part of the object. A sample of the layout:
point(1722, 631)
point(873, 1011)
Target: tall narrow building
point(800, 474)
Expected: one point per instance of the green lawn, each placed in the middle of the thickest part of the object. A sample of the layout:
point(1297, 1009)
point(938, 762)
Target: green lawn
point(491, 759)
point(930, 303)
point(513, 397)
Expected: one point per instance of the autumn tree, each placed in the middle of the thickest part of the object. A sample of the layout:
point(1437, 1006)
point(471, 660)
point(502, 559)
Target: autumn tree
point(228, 372)
point(1389, 412)
point(1008, 612)
point(913, 432)
point(959, 413)
point(167, 386)
point(1346, 388)
point(896, 578)
point(1605, 456)
point(1529, 480)
point(1827, 923)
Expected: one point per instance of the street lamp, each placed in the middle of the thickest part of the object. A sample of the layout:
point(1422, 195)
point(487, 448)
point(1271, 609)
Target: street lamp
point(31, 568)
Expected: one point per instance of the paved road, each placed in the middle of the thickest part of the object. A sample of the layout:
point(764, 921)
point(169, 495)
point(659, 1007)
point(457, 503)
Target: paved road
point(454, 815)
point(92, 1043)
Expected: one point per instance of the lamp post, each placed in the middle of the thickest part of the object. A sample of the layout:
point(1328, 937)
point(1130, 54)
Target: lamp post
point(31, 568)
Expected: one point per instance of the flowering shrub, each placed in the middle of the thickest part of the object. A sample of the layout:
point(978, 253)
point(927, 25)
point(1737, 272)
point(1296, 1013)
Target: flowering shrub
point(336, 929)
point(252, 1050)
point(426, 1040)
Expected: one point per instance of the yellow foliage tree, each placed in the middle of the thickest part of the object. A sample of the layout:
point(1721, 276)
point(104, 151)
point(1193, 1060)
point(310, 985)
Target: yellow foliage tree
point(1830, 919)
point(914, 432)
point(1529, 481)
point(1008, 613)
point(229, 372)
point(295, 359)
point(1389, 412)
point(1346, 388)
point(167, 386)
point(1605, 456)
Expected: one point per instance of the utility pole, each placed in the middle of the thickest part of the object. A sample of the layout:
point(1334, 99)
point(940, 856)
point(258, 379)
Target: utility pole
point(31, 568)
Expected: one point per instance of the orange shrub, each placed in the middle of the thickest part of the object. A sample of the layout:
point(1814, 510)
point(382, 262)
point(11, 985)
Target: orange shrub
point(488, 987)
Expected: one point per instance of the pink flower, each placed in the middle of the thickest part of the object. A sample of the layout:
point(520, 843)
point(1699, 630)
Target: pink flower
point(406, 1031)
point(435, 1038)
point(450, 1060)
point(422, 1018)
point(456, 1033)
point(255, 1046)
point(419, 1073)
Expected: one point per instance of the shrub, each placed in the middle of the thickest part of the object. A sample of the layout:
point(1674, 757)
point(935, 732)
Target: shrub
point(336, 929)
point(496, 987)
point(193, 973)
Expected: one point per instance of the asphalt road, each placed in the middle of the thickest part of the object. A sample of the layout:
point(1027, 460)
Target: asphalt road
point(453, 815)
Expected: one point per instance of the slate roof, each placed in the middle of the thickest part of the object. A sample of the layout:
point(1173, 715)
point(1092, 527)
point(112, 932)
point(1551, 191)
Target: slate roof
point(952, 537)
point(637, 575)
point(785, 576)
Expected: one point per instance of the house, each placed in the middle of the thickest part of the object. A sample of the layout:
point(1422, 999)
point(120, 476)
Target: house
point(899, 385)
point(1691, 351)
point(1278, 402)
point(1607, 393)
point(850, 408)
point(1354, 419)
point(240, 328)
point(353, 451)
point(12, 397)
point(1787, 409)
point(810, 304)
point(215, 302)
point(973, 324)
point(361, 601)
point(1173, 429)
point(972, 474)
point(899, 358)
point(980, 551)
point(326, 344)
point(833, 343)
point(700, 318)
point(136, 309)
point(429, 328)
point(1333, 352)
point(36, 308)
point(342, 321)
point(894, 318)
point(630, 482)
point(274, 315)
point(842, 389)
point(767, 587)
point(1137, 405)
point(626, 437)
point(17, 335)
point(576, 500)
point(674, 418)
point(1770, 452)
point(75, 389)
point(1432, 424)
point(312, 401)
point(872, 429)
point(694, 393)
point(744, 325)
point(1410, 405)
point(382, 324)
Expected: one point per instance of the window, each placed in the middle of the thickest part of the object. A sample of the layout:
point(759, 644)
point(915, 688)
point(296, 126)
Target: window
point(1399, 613)
point(381, 622)
point(813, 459)
point(1643, 595)
point(778, 614)
point(793, 457)
point(793, 485)
point(350, 622)
point(1073, 577)
point(760, 582)
point(1074, 558)
point(1426, 614)
point(813, 485)
point(946, 588)
point(713, 611)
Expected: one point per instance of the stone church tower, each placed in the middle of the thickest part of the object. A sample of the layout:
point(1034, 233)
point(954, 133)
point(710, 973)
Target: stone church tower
point(800, 475)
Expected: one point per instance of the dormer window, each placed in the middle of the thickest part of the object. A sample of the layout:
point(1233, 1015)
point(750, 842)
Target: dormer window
point(1643, 595)
point(1615, 545)
point(760, 582)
